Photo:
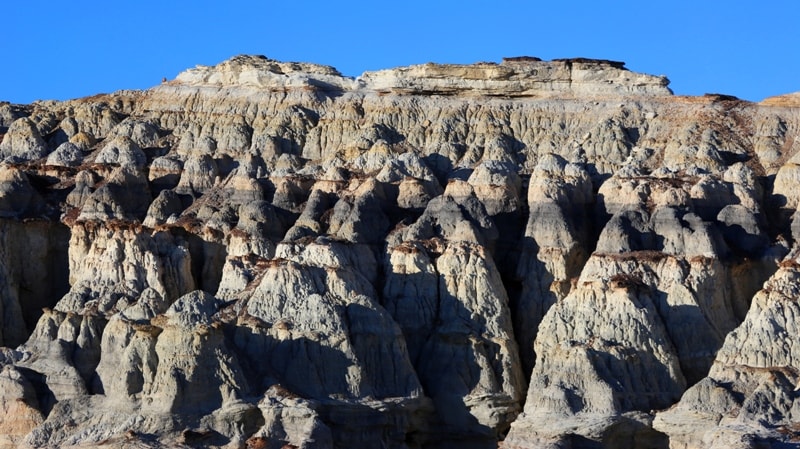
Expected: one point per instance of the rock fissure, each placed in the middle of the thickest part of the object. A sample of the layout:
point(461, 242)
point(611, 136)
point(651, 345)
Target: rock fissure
point(270, 254)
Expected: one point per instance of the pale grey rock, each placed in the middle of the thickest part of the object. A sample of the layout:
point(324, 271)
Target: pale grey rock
point(23, 142)
point(83, 140)
point(287, 165)
point(618, 194)
point(606, 354)
point(114, 266)
point(748, 397)
point(439, 281)
point(9, 113)
point(198, 175)
point(371, 151)
point(710, 195)
point(85, 183)
point(142, 133)
point(262, 72)
point(309, 319)
point(327, 253)
point(416, 183)
point(233, 137)
point(626, 231)
point(289, 419)
point(785, 189)
point(193, 143)
point(367, 248)
point(124, 195)
point(229, 134)
point(146, 306)
point(517, 78)
point(669, 230)
point(258, 218)
point(696, 306)
point(497, 185)
point(164, 172)
point(456, 215)
point(165, 208)
point(19, 407)
point(64, 349)
point(142, 374)
point(193, 309)
point(241, 188)
point(359, 217)
point(406, 165)
point(66, 155)
point(209, 366)
point(742, 229)
point(69, 127)
point(314, 323)
point(554, 244)
point(746, 186)
point(311, 223)
point(17, 196)
point(122, 151)
point(95, 118)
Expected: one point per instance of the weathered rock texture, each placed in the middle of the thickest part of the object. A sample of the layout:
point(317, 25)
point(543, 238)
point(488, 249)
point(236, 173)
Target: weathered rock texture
point(263, 254)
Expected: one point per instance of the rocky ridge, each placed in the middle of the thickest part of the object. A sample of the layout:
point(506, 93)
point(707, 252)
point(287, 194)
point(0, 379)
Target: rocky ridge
point(264, 254)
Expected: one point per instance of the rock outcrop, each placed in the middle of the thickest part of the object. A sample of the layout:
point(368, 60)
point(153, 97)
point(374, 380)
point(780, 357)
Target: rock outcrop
point(533, 253)
point(749, 396)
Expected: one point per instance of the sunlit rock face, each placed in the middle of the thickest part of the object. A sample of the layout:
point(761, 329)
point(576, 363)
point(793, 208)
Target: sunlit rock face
point(262, 254)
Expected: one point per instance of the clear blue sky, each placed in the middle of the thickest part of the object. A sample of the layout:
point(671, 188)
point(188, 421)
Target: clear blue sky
point(66, 49)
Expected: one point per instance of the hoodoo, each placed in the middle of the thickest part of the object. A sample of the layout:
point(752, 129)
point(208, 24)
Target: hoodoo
point(533, 254)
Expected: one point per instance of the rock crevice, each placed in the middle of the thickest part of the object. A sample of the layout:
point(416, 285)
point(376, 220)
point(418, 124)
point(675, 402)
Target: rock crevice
point(269, 254)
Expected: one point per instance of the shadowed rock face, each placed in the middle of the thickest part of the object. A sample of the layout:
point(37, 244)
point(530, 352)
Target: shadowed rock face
point(265, 254)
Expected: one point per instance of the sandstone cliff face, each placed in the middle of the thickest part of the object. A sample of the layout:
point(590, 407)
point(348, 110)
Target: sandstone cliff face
point(264, 254)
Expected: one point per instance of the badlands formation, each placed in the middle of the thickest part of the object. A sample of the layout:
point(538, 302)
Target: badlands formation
point(527, 254)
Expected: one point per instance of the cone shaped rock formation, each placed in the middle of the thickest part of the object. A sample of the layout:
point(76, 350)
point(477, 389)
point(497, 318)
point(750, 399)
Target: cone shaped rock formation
point(537, 254)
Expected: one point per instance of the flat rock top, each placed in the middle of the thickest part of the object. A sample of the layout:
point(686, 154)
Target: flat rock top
point(791, 100)
point(518, 76)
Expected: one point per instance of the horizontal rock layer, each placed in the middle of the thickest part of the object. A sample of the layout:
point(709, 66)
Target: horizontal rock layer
point(264, 254)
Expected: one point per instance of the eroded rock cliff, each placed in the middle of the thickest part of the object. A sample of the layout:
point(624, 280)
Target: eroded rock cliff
point(264, 254)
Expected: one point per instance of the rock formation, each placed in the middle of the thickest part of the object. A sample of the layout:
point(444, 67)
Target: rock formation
point(262, 254)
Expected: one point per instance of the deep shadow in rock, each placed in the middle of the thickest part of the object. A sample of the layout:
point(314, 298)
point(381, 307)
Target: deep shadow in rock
point(444, 357)
point(208, 259)
point(40, 270)
point(44, 394)
point(310, 370)
point(630, 434)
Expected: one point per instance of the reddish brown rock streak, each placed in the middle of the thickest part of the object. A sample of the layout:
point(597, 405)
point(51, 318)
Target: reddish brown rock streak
point(267, 254)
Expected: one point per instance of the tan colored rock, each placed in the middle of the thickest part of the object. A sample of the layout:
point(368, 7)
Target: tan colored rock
point(265, 73)
point(19, 407)
point(264, 253)
point(517, 77)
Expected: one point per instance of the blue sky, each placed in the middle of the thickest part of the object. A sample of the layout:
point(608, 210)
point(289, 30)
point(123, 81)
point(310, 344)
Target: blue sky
point(67, 49)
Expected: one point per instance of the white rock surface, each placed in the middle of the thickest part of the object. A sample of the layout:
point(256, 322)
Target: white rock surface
point(268, 254)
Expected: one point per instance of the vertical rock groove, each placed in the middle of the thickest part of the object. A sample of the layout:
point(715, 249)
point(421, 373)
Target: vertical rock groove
point(269, 254)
